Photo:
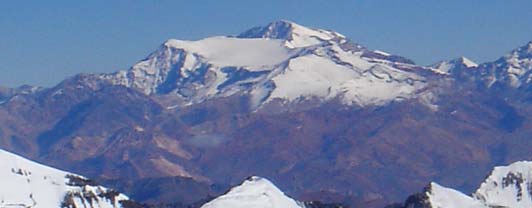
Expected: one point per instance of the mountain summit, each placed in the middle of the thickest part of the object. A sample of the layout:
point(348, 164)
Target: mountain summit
point(452, 66)
point(255, 192)
point(280, 62)
point(295, 35)
point(512, 70)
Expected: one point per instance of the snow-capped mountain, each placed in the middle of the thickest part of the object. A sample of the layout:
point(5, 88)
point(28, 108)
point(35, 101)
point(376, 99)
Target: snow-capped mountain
point(452, 66)
point(513, 70)
point(282, 61)
point(255, 192)
point(507, 186)
point(26, 184)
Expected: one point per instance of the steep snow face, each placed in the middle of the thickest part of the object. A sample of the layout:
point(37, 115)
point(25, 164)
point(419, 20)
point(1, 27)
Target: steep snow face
point(28, 184)
point(255, 192)
point(204, 64)
point(442, 197)
point(281, 61)
point(226, 51)
point(508, 186)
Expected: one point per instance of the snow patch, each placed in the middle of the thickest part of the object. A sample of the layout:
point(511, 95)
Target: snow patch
point(227, 51)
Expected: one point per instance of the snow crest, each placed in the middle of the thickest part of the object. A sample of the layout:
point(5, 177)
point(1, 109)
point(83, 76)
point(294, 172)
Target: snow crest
point(256, 192)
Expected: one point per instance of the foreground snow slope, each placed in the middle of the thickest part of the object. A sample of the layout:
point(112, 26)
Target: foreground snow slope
point(27, 184)
point(255, 192)
point(442, 197)
point(507, 186)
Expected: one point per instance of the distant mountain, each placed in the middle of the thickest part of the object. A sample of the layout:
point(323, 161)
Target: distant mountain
point(506, 186)
point(453, 66)
point(29, 184)
point(325, 118)
point(282, 61)
point(7, 93)
point(512, 70)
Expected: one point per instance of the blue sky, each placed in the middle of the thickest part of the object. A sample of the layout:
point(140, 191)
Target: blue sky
point(42, 42)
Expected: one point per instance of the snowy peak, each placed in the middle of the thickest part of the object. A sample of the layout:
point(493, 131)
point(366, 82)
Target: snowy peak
point(454, 65)
point(513, 70)
point(282, 62)
point(29, 184)
point(524, 51)
point(508, 186)
point(227, 51)
point(520, 58)
point(467, 62)
point(255, 192)
point(281, 29)
point(295, 35)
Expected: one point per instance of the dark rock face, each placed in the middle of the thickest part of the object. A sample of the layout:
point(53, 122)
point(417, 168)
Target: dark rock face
point(89, 197)
point(418, 200)
point(169, 190)
point(317, 204)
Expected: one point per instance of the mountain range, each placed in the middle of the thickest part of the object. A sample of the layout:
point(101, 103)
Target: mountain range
point(326, 118)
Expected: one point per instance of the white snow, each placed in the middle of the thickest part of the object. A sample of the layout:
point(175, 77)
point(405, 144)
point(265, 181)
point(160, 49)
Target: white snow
point(443, 67)
point(468, 63)
point(381, 53)
point(255, 192)
point(28, 184)
point(309, 76)
point(319, 77)
point(226, 51)
point(442, 197)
